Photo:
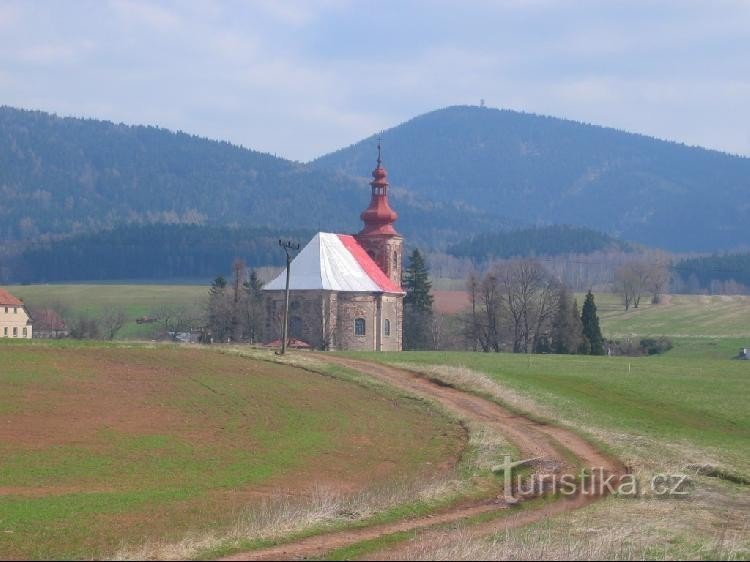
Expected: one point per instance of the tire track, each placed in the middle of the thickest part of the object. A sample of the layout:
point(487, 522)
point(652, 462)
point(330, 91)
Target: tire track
point(532, 439)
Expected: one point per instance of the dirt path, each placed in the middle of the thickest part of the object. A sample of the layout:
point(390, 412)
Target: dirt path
point(533, 439)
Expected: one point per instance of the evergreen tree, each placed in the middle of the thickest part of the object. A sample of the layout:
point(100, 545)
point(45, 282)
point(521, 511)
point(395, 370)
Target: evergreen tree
point(220, 310)
point(567, 329)
point(591, 330)
point(417, 304)
point(252, 305)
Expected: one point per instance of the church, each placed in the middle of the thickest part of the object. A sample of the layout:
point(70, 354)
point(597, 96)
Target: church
point(345, 290)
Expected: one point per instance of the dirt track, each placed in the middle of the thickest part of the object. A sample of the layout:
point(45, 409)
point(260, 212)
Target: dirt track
point(533, 439)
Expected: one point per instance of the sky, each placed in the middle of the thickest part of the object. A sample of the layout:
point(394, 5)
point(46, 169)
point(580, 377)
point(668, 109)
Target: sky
point(300, 79)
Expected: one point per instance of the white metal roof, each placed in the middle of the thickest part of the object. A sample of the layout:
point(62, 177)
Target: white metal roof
point(333, 262)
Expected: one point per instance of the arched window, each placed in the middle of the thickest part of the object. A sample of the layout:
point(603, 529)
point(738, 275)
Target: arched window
point(359, 327)
point(395, 261)
point(387, 327)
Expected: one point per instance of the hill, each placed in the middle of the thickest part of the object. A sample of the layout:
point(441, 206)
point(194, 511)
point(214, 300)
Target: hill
point(544, 170)
point(175, 442)
point(66, 175)
point(539, 241)
point(152, 251)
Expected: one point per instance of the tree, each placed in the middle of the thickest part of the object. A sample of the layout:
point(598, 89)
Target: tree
point(251, 304)
point(85, 327)
point(490, 327)
point(632, 280)
point(530, 300)
point(591, 330)
point(220, 310)
point(112, 320)
point(567, 329)
point(513, 305)
point(417, 304)
point(471, 325)
point(660, 278)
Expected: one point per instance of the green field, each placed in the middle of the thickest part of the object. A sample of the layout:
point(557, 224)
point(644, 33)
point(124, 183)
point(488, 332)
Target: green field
point(670, 399)
point(110, 445)
point(136, 300)
point(663, 414)
point(716, 325)
point(691, 316)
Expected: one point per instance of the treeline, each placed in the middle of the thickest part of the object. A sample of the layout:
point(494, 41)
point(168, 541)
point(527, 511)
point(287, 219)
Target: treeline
point(540, 241)
point(519, 306)
point(725, 274)
point(158, 251)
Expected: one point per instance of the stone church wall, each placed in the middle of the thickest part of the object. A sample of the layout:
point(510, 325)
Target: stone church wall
point(326, 320)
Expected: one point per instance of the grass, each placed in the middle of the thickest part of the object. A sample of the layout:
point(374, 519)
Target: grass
point(106, 446)
point(706, 322)
point(669, 398)
point(688, 316)
point(671, 413)
point(136, 300)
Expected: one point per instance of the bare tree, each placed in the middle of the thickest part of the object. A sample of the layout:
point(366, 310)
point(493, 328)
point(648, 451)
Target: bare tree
point(530, 298)
point(471, 326)
point(491, 299)
point(661, 276)
point(112, 320)
point(632, 280)
point(514, 301)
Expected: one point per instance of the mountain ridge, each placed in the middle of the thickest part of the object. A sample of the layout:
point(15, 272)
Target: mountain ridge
point(626, 184)
point(455, 172)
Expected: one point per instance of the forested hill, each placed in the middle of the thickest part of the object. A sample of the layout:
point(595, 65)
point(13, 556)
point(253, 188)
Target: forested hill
point(543, 170)
point(156, 251)
point(65, 175)
point(540, 241)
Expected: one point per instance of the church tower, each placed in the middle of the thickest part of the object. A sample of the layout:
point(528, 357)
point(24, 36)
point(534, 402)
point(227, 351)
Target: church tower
point(378, 237)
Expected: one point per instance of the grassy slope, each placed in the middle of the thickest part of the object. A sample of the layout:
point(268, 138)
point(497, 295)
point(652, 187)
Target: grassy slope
point(672, 399)
point(104, 444)
point(692, 316)
point(136, 300)
point(659, 414)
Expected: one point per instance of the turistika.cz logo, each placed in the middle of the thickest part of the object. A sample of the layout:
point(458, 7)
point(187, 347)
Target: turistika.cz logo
point(594, 481)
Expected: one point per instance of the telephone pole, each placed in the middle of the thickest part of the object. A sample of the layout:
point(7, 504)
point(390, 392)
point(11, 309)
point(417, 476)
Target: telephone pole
point(288, 246)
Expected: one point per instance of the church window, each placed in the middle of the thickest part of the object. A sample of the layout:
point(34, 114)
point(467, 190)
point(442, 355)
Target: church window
point(387, 327)
point(359, 327)
point(295, 327)
point(395, 261)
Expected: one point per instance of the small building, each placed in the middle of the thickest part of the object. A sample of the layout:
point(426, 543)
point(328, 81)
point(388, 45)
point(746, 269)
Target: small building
point(14, 319)
point(345, 290)
point(48, 324)
point(745, 353)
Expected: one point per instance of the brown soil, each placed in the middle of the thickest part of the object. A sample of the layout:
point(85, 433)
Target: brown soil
point(554, 445)
point(451, 302)
point(63, 405)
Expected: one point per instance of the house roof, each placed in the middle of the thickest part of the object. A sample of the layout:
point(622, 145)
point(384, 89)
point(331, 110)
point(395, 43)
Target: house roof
point(6, 299)
point(334, 262)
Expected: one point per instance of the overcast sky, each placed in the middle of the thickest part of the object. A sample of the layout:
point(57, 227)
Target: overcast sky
point(300, 79)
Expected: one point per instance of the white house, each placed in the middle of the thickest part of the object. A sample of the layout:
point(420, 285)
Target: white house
point(14, 320)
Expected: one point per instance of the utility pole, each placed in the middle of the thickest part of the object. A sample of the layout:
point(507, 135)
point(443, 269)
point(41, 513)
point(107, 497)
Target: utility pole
point(288, 246)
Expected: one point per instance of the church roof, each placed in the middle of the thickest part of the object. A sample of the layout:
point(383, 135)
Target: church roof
point(334, 262)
